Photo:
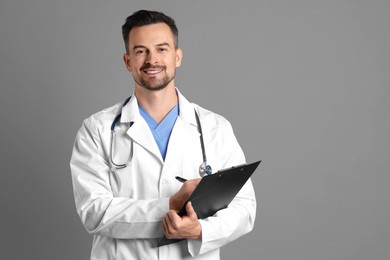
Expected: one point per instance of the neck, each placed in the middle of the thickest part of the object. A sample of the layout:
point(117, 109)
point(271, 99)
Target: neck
point(157, 103)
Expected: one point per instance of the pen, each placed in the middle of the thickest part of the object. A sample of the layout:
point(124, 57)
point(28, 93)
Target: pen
point(182, 180)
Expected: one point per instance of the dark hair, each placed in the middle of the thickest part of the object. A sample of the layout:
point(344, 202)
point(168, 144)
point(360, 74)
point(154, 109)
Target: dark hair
point(145, 17)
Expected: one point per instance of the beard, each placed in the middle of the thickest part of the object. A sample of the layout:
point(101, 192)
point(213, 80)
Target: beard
point(153, 83)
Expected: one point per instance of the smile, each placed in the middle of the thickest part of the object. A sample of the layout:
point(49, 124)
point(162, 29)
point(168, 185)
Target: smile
point(152, 72)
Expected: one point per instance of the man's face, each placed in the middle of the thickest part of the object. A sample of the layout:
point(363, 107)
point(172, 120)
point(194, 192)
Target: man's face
point(152, 57)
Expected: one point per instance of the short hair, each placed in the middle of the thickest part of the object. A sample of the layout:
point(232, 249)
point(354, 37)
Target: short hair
point(146, 17)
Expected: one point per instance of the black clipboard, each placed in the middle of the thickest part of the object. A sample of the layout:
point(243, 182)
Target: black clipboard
point(215, 192)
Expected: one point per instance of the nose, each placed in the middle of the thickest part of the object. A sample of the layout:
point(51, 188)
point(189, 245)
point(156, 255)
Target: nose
point(152, 58)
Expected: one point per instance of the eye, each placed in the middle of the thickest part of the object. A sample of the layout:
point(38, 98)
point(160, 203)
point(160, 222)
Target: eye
point(163, 49)
point(139, 51)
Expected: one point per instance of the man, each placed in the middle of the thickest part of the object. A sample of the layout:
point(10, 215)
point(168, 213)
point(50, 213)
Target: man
point(126, 157)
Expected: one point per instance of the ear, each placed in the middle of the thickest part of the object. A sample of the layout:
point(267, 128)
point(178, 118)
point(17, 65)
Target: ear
point(179, 57)
point(126, 60)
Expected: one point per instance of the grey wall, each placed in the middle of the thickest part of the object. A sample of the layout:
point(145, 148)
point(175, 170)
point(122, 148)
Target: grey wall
point(304, 83)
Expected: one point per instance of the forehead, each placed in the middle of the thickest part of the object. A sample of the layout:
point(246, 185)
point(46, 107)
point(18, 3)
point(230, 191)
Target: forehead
point(150, 35)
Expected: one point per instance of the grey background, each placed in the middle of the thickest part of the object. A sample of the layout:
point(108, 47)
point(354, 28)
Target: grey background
point(304, 83)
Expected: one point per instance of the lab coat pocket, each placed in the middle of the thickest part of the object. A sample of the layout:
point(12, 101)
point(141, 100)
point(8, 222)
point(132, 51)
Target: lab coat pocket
point(121, 181)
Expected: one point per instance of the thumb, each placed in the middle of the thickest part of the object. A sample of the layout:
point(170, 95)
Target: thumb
point(190, 211)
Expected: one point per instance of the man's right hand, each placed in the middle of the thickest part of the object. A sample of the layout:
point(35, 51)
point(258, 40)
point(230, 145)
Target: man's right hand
point(176, 202)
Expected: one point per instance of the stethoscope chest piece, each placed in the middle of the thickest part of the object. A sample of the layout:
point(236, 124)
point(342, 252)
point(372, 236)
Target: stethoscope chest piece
point(205, 169)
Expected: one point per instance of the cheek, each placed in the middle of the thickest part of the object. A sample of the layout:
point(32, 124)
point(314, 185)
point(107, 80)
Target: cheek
point(134, 65)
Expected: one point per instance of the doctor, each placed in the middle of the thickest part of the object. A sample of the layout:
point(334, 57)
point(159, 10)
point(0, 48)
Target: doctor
point(126, 157)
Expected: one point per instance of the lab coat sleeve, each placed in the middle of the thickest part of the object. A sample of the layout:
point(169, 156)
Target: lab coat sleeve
point(239, 217)
point(100, 212)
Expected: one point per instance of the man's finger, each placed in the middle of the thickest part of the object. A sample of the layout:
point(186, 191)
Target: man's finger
point(195, 181)
point(165, 225)
point(192, 182)
point(190, 211)
point(174, 219)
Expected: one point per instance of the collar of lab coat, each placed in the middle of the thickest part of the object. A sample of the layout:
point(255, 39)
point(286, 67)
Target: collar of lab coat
point(185, 125)
point(130, 112)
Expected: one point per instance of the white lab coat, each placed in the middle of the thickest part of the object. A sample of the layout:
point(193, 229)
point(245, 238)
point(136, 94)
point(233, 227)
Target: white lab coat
point(124, 208)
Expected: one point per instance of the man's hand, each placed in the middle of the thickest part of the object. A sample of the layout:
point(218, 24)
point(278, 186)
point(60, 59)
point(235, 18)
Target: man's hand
point(187, 226)
point(176, 202)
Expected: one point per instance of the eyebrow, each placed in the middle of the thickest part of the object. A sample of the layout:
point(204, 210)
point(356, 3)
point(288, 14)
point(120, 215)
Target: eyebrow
point(157, 45)
point(163, 44)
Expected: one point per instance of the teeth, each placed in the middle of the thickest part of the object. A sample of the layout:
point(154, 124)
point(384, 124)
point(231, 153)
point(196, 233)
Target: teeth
point(152, 71)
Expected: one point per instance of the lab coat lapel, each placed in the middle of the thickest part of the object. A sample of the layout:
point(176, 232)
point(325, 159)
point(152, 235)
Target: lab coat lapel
point(141, 134)
point(139, 131)
point(181, 137)
point(185, 128)
point(184, 131)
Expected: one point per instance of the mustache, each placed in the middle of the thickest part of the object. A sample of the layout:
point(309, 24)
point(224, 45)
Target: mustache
point(149, 66)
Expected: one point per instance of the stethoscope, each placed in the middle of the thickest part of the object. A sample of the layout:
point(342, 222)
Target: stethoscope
point(204, 169)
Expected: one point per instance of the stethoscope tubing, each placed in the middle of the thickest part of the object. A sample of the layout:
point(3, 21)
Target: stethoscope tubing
point(204, 168)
